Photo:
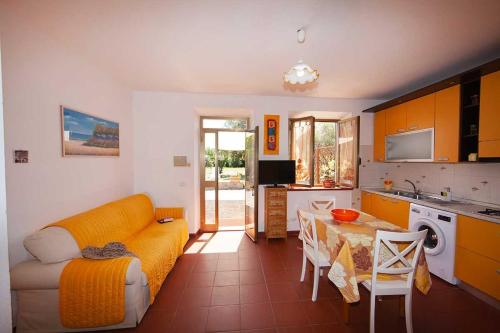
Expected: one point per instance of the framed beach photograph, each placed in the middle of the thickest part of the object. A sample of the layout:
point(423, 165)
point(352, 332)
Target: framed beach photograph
point(85, 134)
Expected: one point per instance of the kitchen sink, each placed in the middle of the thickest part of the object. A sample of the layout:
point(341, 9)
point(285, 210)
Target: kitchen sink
point(419, 196)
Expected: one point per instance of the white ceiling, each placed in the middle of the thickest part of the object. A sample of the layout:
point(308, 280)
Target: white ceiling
point(362, 49)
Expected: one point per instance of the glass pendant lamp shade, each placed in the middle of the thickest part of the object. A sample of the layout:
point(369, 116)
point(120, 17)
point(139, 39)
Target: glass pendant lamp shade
point(301, 73)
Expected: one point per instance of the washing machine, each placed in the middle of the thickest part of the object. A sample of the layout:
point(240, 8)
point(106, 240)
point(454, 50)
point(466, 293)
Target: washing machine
point(439, 244)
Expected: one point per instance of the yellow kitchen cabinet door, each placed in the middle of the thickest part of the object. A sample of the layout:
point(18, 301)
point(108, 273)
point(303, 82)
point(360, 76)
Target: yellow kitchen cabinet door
point(366, 202)
point(396, 119)
point(489, 116)
point(447, 125)
point(478, 271)
point(479, 236)
point(420, 113)
point(379, 132)
point(399, 212)
point(391, 210)
point(379, 206)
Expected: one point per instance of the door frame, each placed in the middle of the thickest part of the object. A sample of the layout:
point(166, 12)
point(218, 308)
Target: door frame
point(215, 184)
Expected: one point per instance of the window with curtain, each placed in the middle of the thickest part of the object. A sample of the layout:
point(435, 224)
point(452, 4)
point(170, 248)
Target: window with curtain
point(325, 149)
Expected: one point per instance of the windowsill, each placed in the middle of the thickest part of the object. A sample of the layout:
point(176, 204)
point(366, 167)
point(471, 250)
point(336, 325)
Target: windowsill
point(318, 188)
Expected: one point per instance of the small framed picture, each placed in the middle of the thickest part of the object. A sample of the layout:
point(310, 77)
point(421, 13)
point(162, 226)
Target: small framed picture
point(20, 156)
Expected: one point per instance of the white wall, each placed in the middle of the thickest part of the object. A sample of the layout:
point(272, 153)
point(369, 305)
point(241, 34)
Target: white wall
point(5, 308)
point(38, 75)
point(166, 124)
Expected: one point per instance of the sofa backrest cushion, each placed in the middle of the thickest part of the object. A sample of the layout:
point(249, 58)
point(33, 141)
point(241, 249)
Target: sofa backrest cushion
point(116, 221)
point(52, 245)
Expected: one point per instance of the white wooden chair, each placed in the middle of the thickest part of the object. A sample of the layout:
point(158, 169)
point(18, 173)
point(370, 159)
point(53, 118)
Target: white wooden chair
point(310, 249)
point(322, 203)
point(405, 267)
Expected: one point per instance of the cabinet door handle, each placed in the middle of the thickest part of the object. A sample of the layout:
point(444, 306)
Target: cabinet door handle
point(443, 158)
point(413, 128)
point(400, 130)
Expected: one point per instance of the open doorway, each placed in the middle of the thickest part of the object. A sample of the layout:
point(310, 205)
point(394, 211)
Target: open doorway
point(227, 160)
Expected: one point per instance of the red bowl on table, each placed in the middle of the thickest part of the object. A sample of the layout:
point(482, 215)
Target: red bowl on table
point(344, 215)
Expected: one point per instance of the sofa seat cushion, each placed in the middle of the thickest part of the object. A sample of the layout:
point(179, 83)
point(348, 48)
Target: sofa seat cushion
point(158, 246)
point(34, 275)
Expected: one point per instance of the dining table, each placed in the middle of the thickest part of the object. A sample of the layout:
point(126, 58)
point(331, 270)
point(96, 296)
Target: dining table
point(350, 247)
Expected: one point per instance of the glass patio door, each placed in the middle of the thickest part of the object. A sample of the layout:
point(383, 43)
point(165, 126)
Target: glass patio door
point(251, 182)
point(227, 196)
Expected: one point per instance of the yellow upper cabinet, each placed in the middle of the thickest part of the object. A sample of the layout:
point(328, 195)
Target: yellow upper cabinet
point(489, 116)
point(447, 125)
point(420, 113)
point(396, 119)
point(379, 136)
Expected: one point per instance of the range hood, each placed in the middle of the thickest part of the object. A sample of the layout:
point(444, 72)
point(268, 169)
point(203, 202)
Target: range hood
point(414, 146)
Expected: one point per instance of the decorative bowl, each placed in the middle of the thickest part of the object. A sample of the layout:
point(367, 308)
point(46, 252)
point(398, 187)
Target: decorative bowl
point(344, 215)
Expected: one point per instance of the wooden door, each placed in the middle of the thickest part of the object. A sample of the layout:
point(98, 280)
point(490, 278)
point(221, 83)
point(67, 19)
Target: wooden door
point(420, 113)
point(396, 119)
point(379, 132)
point(251, 182)
point(489, 116)
point(366, 202)
point(447, 125)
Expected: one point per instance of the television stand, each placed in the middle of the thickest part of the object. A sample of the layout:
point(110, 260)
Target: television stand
point(275, 211)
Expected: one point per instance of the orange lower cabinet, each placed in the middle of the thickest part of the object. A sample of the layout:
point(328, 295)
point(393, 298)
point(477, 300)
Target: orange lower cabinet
point(366, 202)
point(479, 236)
point(478, 271)
point(399, 212)
point(391, 210)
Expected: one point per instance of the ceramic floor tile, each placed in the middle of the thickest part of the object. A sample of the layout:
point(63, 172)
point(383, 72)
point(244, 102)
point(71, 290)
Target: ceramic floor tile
point(226, 295)
point(257, 316)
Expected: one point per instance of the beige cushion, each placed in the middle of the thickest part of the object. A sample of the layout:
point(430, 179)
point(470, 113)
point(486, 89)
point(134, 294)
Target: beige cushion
point(33, 275)
point(52, 245)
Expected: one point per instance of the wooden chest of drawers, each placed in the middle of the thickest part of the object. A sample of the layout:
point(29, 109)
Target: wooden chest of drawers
point(275, 216)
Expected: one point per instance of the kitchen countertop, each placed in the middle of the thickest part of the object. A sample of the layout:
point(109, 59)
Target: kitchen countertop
point(456, 206)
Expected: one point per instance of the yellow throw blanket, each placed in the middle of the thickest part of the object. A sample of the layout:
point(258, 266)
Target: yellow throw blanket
point(87, 301)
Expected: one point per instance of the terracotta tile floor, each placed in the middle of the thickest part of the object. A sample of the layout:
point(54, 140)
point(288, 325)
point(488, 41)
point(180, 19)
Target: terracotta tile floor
point(257, 289)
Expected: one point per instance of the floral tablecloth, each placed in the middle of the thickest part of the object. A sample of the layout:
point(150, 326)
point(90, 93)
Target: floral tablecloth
point(350, 248)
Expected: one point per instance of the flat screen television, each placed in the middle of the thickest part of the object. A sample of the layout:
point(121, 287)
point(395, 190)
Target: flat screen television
point(274, 172)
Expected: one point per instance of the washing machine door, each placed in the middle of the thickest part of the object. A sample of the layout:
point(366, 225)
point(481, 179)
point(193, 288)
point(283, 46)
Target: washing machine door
point(435, 241)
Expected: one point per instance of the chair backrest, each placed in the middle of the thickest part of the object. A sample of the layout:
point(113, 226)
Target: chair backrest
point(307, 223)
point(396, 261)
point(322, 203)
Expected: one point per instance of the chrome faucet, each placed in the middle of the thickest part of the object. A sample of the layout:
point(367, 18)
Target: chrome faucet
point(414, 187)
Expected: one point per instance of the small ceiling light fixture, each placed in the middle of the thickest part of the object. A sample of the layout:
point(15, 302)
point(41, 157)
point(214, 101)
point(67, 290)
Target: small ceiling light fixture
point(301, 73)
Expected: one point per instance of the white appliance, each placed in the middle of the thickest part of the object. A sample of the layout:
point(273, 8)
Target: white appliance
point(414, 146)
point(439, 245)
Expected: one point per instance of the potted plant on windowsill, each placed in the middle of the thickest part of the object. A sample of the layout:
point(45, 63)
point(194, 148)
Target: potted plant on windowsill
point(328, 178)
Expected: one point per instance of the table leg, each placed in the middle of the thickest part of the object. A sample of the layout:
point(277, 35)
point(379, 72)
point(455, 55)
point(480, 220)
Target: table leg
point(345, 311)
point(402, 306)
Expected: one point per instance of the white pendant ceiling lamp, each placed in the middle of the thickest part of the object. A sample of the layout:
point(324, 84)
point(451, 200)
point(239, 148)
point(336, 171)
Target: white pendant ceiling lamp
point(301, 73)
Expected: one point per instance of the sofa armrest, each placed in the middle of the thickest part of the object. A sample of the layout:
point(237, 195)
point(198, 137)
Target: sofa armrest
point(175, 212)
point(34, 275)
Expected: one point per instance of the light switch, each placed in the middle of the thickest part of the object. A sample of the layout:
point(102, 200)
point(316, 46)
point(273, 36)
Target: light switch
point(181, 161)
